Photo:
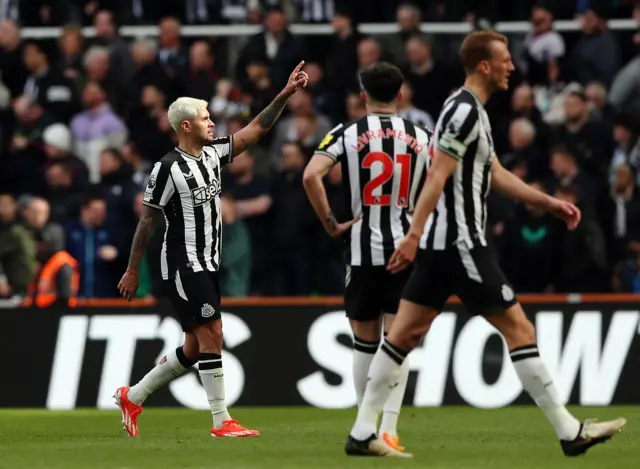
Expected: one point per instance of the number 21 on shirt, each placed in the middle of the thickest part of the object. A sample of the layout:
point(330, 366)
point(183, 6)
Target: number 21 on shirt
point(388, 170)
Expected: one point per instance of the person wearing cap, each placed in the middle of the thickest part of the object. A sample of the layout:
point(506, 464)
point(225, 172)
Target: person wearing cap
point(57, 147)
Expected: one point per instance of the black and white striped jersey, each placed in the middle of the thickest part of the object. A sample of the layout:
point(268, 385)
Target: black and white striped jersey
point(187, 189)
point(463, 132)
point(384, 160)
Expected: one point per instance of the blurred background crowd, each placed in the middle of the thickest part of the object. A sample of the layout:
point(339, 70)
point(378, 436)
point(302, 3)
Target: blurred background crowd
point(82, 119)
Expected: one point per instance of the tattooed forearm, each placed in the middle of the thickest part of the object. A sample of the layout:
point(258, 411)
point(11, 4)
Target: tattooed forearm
point(270, 114)
point(141, 236)
point(331, 222)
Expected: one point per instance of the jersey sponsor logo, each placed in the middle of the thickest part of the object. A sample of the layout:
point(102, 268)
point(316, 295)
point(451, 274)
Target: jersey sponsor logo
point(204, 194)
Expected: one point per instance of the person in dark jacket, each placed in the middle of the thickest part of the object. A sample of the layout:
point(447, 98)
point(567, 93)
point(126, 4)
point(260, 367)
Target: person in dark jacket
point(91, 243)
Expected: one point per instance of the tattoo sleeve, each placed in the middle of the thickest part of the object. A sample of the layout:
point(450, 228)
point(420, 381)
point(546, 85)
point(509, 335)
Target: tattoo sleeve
point(270, 114)
point(141, 237)
point(259, 126)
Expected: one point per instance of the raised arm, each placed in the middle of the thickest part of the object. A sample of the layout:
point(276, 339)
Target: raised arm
point(259, 126)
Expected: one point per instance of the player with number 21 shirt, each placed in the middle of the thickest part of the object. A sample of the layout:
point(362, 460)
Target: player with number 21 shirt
point(384, 160)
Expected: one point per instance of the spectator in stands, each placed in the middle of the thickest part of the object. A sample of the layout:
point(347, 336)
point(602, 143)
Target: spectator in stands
point(322, 96)
point(97, 128)
point(340, 66)
point(140, 167)
point(12, 70)
point(253, 200)
point(355, 107)
point(47, 85)
point(57, 148)
point(409, 111)
point(431, 81)
point(600, 109)
point(173, 55)
point(71, 45)
point(408, 18)
point(369, 52)
point(201, 77)
point(275, 45)
point(566, 171)
point(529, 249)
point(147, 71)
point(523, 106)
point(586, 138)
point(90, 242)
point(623, 215)
point(544, 48)
point(99, 70)
point(304, 125)
point(26, 156)
point(65, 197)
point(522, 140)
point(627, 150)
point(47, 236)
point(583, 258)
point(596, 57)
point(148, 124)
point(235, 266)
point(107, 36)
point(17, 252)
point(290, 222)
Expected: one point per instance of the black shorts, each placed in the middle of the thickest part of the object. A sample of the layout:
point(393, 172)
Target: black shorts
point(196, 298)
point(474, 275)
point(372, 290)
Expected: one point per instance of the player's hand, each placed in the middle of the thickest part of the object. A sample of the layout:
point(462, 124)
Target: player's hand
point(565, 211)
point(339, 230)
point(404, 255)
point(128, 284)
point(297, 79)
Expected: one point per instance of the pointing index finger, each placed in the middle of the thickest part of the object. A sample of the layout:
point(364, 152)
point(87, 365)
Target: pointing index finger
point(299, 67)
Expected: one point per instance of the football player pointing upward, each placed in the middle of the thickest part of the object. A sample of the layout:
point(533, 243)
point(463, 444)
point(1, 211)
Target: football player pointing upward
point(184, 186)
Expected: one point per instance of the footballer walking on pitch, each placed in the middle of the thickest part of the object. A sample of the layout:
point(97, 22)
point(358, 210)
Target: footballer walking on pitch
point(455, 258)
point(383, 164)
point(185, 187)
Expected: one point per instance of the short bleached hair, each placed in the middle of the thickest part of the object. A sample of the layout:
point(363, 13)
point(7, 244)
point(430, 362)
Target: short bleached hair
point(184, 109)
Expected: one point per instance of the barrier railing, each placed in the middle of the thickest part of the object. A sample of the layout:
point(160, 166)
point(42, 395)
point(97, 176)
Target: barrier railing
point(320, 29)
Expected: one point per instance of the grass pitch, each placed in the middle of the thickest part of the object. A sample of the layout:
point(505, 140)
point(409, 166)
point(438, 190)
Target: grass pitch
point(439, 438)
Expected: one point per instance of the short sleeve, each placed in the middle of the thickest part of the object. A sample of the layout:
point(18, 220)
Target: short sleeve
point(223, 147)
point(332, 145)
point(159, 187)
point(454, 128)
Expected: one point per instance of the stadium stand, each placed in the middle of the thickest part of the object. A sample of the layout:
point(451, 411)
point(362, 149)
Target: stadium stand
point(83, 118)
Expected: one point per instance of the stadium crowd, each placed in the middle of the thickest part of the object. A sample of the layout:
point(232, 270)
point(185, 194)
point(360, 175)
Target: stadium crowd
point(82, 119)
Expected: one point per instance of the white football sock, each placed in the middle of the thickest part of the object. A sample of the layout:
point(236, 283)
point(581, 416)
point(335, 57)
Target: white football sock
point(169, 367)
point(384, 375)
point(538, 383)
point(393, 405)
point(212, 376)
point(363, 352)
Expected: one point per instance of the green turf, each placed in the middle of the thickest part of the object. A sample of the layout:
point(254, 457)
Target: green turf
point(440, 438)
